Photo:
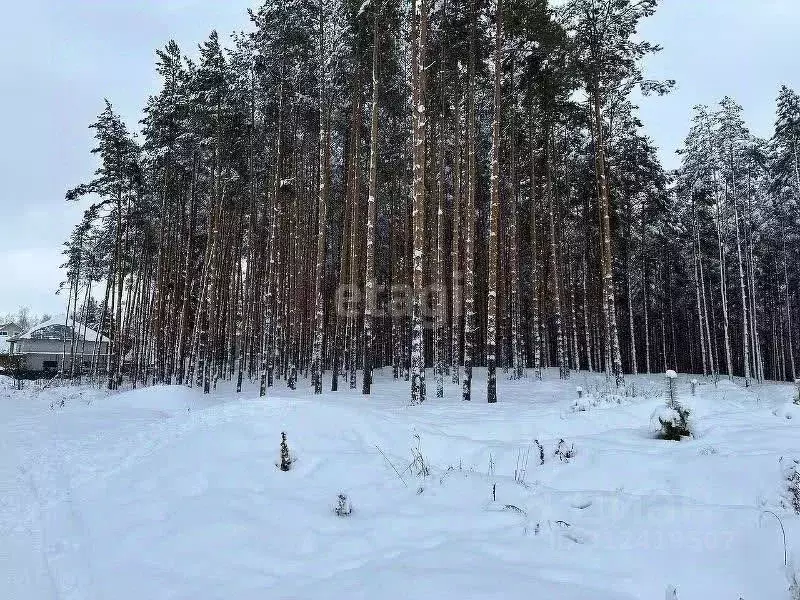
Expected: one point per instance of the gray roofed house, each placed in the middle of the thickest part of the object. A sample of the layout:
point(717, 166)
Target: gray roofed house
point(47, 346)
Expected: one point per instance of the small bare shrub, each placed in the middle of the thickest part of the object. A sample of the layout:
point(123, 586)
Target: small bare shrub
point(521, 469)
point(791, 474)
point(419, 464)
point(793, 575)
point(563, 452)
point(343, 506)
point(541, 451)
point(286, 458)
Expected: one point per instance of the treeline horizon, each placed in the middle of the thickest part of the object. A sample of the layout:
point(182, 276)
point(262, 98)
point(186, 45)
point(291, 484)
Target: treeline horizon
point(433, 185)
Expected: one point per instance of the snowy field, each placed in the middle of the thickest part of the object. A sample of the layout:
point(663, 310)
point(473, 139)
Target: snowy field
point(163, 493)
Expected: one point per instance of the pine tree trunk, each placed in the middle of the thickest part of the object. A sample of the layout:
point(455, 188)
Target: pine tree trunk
point(457, 298)
point(724, 294)
point(586, 330)
point(116, 337)
point(742, 286)
point(371, 285)
point(269, 337)
point(469, 217)
point(788, 308)
point(561, 358)
point(440, 310)
point(322, 213)
point(607, 261)
point(646, 310)
point(494, 216)
point(513, 277)
point(418, 199)
point(701, 320)
point(536, 326)
point(634, 366)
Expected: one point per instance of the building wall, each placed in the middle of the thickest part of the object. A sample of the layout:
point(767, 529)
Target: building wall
point(10, 332)
point(45, 355)
point(54, 346)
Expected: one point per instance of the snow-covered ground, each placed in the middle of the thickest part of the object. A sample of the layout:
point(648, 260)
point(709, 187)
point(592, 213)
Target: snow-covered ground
point(163, 493)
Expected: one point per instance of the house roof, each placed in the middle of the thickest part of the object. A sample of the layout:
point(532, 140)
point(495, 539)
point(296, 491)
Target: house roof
point(10, 325)
point(90, 335)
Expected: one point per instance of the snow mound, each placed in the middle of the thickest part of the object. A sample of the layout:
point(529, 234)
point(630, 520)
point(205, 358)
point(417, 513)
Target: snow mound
point(788, 410)
point(588, 402)
point(167, 399)
point(727, 384)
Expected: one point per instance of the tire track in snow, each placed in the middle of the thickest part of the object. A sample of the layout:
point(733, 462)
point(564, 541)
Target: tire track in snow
point(24, 570)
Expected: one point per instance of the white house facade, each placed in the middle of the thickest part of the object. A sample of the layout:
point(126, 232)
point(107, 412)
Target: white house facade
point(8, 331)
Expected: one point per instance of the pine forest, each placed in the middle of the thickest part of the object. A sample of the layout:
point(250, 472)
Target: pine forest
point(427, 187)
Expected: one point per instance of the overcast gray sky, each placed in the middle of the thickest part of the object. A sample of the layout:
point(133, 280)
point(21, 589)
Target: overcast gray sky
point(60, 58)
